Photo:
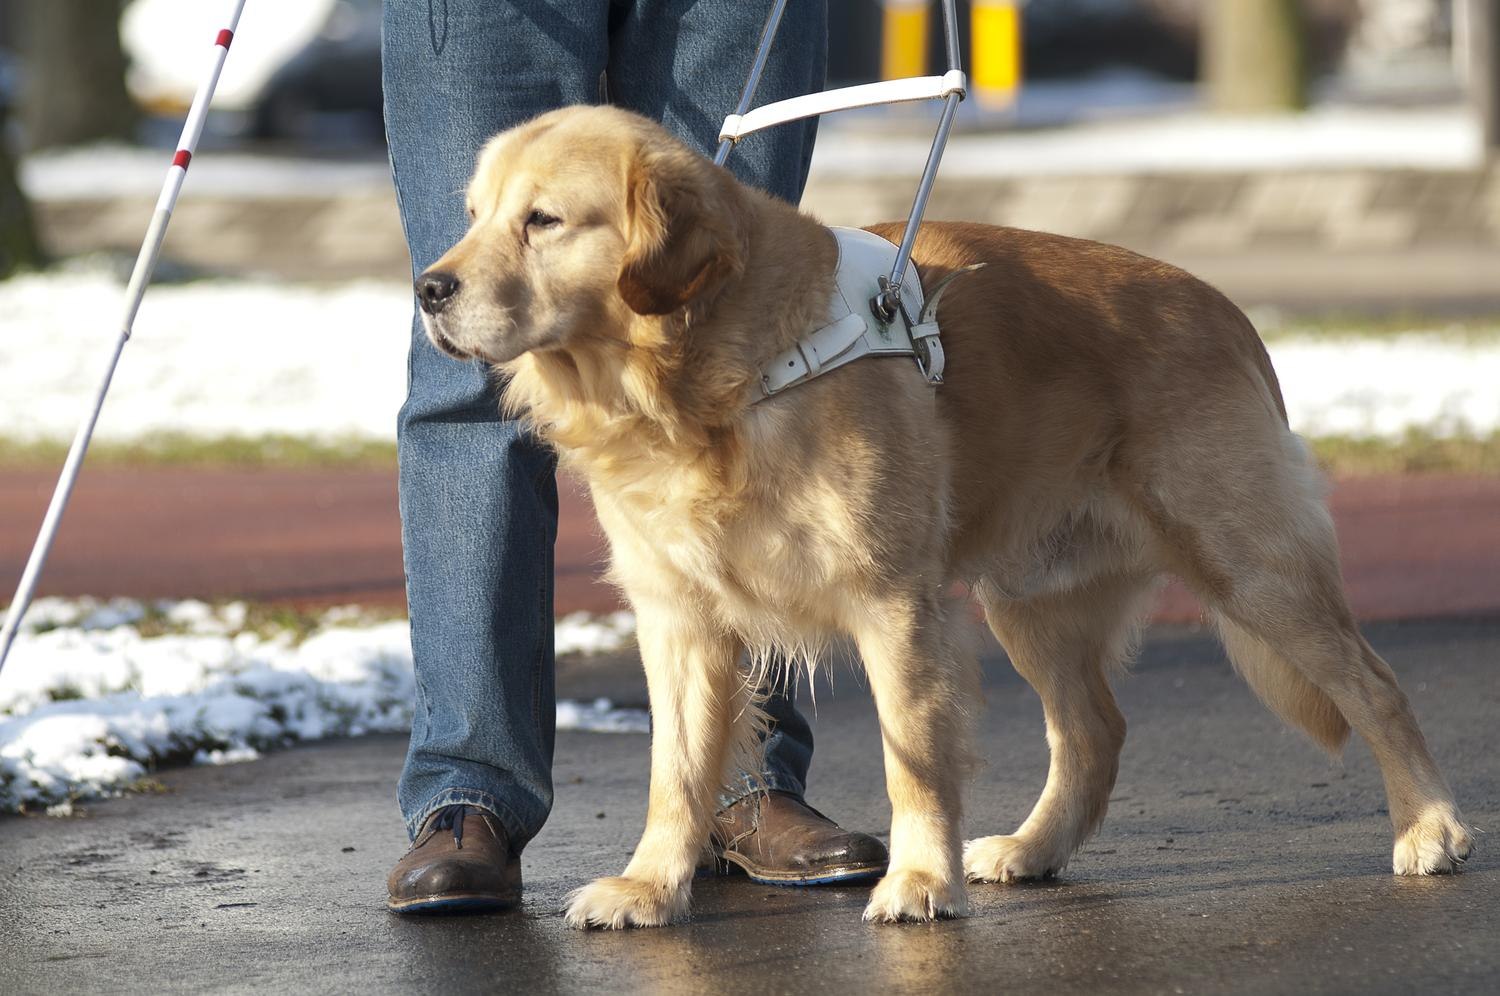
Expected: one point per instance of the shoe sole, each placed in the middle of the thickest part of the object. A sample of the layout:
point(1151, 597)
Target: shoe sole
point(826, 876)
point(452, 904)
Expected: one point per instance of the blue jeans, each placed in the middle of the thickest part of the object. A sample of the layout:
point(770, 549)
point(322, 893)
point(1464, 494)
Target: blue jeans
point(478, 494)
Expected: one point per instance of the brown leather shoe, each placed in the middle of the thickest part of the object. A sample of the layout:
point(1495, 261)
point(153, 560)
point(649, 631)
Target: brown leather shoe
point(460, 863)
point(778, 839)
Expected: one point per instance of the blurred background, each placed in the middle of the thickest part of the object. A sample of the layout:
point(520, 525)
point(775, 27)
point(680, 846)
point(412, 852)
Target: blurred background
point(1329, 164)
point(1102, 95)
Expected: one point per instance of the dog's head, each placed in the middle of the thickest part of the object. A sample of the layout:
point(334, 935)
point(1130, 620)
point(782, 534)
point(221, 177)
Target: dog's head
point(582, 220)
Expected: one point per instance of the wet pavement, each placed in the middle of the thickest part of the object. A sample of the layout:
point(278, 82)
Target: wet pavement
point(1236, 858)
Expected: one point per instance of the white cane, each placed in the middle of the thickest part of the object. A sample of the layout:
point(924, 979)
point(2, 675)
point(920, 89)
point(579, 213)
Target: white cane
point(140, 277)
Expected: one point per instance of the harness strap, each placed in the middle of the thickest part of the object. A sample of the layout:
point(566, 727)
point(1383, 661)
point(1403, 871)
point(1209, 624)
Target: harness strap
point(829, 347)
point(924, 334)
point(853, 330)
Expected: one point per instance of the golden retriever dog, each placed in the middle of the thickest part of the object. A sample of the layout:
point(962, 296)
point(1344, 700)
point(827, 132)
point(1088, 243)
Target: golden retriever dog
point(1106, 419)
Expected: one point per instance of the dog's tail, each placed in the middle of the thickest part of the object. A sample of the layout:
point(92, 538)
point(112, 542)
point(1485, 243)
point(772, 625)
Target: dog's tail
point(1283, 688)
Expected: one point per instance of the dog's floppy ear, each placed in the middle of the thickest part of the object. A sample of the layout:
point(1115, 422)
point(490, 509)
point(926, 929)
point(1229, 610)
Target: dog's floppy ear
point(683, 231)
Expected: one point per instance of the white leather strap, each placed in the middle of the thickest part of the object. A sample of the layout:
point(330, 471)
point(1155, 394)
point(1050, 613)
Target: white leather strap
point(805, 360)
point(831, 346)
point(926, 334)
point(737, 126)
point(852, 331)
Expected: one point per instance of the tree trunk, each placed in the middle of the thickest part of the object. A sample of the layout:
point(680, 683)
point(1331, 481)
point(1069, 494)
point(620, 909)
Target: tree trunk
point(1484, 69)
point(1254, 54)
point(75, 73)
point(19, 246)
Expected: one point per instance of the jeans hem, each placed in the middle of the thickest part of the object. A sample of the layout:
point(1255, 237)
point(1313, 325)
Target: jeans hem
point(514, 827)
point(749, 785)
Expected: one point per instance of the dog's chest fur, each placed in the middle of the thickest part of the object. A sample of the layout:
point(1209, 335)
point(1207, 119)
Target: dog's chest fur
point(775, 568)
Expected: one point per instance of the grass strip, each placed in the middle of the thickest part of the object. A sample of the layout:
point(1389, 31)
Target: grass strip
point(184, 450)
point(1471, 331)
point(153, 618)
point(1417, 452)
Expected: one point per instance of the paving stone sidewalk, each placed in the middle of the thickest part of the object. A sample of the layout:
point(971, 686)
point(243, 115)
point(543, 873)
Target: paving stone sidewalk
point(1339, 236)
point(1342, 207)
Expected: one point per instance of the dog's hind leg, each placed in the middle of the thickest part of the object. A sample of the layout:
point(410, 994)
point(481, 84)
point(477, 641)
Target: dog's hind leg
point(1254, 540)
point(1065, 645)
point(693, 681)
point(924, 684)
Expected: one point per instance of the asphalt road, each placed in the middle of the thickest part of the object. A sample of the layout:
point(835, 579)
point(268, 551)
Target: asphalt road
point(1236, 858)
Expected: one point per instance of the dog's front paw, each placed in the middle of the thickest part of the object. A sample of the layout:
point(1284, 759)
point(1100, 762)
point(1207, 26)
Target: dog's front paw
point(1009, 859)
point(1436, 843)
point(613, 903)
point(915, 896)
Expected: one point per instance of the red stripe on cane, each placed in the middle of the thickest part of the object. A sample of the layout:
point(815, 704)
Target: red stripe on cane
point(182, 158)
point(225, 37)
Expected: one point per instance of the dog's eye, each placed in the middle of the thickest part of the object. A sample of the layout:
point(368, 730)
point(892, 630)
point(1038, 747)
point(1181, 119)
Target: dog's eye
point(541, 219)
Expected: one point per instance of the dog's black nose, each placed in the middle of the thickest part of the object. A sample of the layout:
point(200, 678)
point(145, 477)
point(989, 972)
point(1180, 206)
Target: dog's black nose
point(435, 289)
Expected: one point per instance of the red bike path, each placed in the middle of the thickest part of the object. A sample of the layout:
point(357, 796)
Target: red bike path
point(1421, 546)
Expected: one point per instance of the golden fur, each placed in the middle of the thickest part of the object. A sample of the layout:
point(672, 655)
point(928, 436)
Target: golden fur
point(1106, 419)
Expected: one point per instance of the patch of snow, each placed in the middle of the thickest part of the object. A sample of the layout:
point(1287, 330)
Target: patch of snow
point(88, 704)
point(894, 142)
point(83, 613)
point(251, 358)
point(585, 633)
point(1380, 388)
point(200, 617)
point(210, 358)
point(236, 755)
point(105, 171)
point(163, 36)
point(1324, 138)
point(601, 716)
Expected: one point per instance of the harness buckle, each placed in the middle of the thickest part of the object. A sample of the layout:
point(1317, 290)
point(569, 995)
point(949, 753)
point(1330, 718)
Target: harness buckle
point(929, 350)
point(888, 307)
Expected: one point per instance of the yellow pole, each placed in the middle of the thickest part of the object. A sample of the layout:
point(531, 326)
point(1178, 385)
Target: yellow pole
point(996, 60)
point(903, 48)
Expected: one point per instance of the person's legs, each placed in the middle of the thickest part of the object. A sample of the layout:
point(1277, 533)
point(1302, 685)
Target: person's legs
point(684, 63)
point(478, 496)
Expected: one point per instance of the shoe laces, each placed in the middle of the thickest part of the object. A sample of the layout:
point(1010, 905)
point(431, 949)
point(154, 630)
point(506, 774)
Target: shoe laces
point(452, 818)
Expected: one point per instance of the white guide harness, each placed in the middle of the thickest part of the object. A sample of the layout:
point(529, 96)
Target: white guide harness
point(875, 310)
point(853, 329)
